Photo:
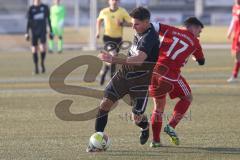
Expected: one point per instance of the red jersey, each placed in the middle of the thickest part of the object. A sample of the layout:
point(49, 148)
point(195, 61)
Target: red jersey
point(236, 19)
point(176, 46)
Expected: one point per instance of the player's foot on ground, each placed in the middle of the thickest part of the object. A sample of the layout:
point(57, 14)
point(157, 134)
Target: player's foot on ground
point(173, 135)
point(60, 51)
point(35, 72)
point(231, 79)
point(144, 135)
point(155, 144)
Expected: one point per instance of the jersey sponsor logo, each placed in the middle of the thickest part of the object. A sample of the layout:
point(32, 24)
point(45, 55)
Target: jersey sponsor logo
point(38, 16)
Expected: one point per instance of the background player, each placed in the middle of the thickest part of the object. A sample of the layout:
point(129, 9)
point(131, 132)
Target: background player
point(175, 48)
point(234, 29)
point(134, 76)
point(114, 18)
point(38, 17)
point(57, 16)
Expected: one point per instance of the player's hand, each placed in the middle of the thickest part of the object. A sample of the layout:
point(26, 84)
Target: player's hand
point(97, 35)
point(105, 56)
point(119, 22)
point(228, 36)
point(27, 37)
point(51, 35)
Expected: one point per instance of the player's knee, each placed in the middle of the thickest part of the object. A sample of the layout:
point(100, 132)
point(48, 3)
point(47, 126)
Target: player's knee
point(188, 98)
point(137, 118)
point(106, 104)
point(34, 49)
point(159, 104)
point(43, 47)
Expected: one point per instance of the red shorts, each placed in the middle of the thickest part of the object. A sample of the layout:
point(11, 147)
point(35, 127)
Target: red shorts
point(161, 85)
point(236, 44)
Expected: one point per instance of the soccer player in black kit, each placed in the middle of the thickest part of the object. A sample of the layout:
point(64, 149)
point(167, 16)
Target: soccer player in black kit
point(134, 76)
point(38, 17)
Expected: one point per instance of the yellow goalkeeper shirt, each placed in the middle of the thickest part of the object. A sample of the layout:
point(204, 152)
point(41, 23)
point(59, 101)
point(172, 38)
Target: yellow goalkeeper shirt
point(110, 18)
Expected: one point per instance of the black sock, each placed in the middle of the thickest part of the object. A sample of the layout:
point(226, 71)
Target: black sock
point(43, 55)
point(101, 120)
point(35, 60)
point(144, 123)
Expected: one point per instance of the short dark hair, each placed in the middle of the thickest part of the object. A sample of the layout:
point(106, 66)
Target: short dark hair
point(140, 13)
point(193, 21)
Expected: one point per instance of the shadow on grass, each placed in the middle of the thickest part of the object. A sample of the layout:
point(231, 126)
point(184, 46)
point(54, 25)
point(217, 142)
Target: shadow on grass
point(166, 150)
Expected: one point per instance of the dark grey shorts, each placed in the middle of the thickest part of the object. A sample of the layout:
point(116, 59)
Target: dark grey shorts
point(135, 87)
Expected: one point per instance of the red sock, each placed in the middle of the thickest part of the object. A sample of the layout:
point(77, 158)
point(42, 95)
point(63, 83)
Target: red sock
point(236, 69)
point(156, 121)
point(179, 111)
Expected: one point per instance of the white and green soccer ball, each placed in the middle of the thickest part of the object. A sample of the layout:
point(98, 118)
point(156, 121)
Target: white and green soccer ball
point(99, 140)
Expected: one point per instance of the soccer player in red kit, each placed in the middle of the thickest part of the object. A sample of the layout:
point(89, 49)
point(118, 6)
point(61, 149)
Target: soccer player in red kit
point(234, 29)
point(176, 46)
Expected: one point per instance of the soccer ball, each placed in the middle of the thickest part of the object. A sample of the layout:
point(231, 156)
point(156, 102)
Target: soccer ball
point(100, 141)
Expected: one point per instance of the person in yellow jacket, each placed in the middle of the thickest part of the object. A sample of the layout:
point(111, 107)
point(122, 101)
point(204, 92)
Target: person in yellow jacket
point(114, 19)
point(57, 16)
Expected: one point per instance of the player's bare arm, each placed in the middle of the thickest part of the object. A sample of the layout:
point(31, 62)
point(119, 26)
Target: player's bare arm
point(138, 59)
point(98, 27)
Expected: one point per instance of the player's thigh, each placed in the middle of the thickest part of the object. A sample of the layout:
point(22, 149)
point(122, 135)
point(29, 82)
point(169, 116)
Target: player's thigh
point(160, 87)
point(139, 101)
point(42, 44)
point(54, 30)
point(116, 88)
point(34, 43)
point(238, 56)
point(138, 91)
point(235, 46)
point(34, 40)
point(60, 32)
point(181, 89)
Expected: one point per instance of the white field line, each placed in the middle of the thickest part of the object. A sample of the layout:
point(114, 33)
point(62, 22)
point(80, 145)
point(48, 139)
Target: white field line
point(49, 90)
point(80, 78)
point(81, 47)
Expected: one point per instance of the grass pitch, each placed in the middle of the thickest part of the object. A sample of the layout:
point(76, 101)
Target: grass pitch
point(30, 128)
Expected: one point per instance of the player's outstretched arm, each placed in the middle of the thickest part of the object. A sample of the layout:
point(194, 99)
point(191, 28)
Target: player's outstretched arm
point(137, 59)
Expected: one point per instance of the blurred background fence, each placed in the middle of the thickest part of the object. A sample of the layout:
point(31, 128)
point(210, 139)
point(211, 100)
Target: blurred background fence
point(212, 12)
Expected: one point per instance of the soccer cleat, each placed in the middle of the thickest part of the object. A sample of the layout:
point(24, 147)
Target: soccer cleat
point(144, 135)
point(155, 144)
point(232, 79)
point(173, 135)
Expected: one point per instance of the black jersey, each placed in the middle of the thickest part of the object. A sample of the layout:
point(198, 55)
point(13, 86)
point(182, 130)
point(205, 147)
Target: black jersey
point(38, 17)
point(147, 42)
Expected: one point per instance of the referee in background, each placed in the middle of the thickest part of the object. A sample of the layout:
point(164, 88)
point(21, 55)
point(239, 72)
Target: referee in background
point(114, 19)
